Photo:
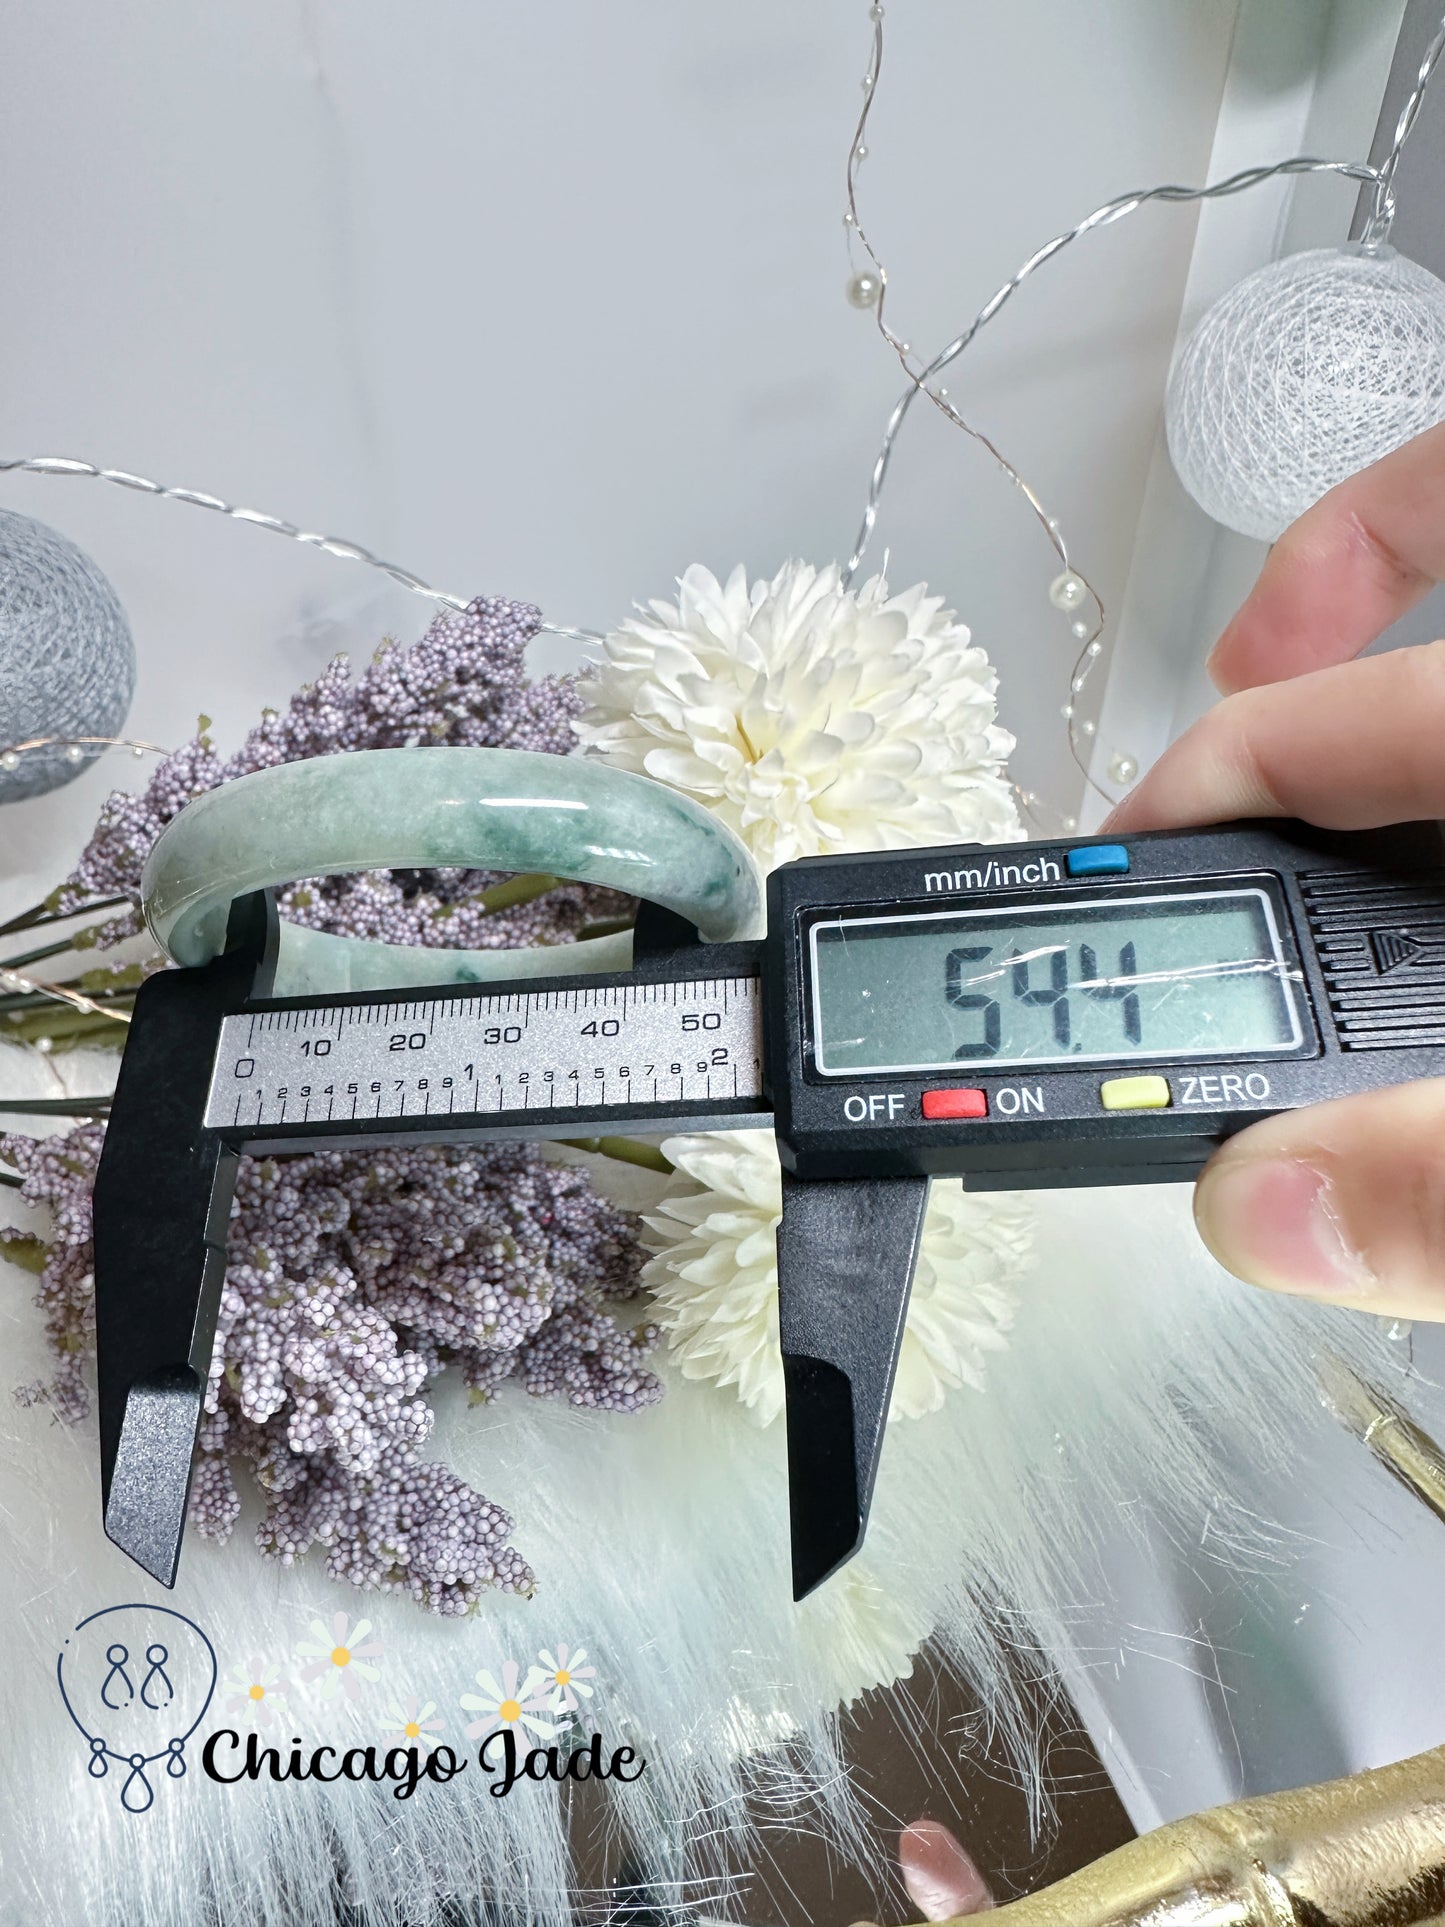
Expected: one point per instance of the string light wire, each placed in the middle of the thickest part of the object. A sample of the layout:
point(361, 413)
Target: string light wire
point(336, 545)
point(19, 985)
point(76, 746)
point(339, 546)
point(1382, 211)
point(1072, 590)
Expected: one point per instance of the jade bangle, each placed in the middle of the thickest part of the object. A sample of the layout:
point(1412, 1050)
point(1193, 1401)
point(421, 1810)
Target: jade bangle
point(476, 809)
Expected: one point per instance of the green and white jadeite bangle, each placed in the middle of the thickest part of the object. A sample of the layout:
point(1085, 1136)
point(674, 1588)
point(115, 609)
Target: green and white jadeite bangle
point(481, 809)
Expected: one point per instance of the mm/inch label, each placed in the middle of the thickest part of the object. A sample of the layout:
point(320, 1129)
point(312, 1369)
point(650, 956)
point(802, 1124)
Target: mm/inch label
point(487, 1054)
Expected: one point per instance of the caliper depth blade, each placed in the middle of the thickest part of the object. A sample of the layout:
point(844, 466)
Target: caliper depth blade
point(161, 1207)
point(846, 1252)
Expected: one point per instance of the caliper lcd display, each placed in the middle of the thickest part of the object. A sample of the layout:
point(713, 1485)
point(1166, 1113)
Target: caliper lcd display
point(1177, 975)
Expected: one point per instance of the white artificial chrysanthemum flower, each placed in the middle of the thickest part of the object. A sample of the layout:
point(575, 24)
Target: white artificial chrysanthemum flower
point(812, 718)
point(714, 1276)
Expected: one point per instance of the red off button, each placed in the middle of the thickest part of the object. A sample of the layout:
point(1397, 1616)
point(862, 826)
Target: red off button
point(966, 1102)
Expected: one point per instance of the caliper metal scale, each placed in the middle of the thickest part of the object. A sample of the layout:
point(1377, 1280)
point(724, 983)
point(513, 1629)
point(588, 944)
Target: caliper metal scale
point(1082, 1012)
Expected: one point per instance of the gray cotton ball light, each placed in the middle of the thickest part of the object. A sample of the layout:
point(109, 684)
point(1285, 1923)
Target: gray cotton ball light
point(1306, 372)
point(67, 661)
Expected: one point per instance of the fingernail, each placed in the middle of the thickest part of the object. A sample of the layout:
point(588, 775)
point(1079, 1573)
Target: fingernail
point(941, 1878)
point(1276, 1222)
point(1211, 661)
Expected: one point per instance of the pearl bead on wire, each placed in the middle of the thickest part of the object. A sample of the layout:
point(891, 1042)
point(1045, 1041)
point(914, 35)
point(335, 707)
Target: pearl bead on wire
point(1068, 591)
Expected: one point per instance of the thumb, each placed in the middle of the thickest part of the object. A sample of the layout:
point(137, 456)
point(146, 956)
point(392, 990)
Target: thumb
point(1342, 1201)
point(942, 1880)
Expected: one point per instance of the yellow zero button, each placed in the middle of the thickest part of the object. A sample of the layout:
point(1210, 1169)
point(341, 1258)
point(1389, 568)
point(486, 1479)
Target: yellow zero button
point(1134, 1093)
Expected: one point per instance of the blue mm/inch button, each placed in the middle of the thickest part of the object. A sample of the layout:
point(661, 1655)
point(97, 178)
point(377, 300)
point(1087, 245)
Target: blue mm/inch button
point(1097, 860)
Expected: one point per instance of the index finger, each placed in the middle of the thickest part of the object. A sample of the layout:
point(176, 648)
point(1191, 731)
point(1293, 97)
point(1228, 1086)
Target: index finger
point(1363, 555)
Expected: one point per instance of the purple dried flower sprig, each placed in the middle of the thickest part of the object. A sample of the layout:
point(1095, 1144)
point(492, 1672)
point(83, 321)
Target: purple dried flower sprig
point(354, 1280)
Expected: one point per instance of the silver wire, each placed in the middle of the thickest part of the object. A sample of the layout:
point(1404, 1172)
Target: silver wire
point(197, 498)
point(1103, 216)
point(1382, 211)
point(919, 379)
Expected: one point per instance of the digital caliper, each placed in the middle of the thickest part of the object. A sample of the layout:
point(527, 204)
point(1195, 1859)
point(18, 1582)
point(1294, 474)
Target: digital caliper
point(1049, 1014)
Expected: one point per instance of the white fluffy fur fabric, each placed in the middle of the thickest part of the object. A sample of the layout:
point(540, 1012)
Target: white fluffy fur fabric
point(660, 1545)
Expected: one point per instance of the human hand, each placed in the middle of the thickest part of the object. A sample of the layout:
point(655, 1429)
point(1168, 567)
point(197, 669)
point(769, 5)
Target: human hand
point(939, 1873)
point(1344, 1200)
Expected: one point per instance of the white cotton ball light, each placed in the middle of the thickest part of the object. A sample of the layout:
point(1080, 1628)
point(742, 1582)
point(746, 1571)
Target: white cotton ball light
point(67, 662)
point(1309, 370)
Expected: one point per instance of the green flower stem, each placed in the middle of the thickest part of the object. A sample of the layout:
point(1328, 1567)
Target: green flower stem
point(63, 1026)
point(605, 927)
point(627, 1150)
point(26, 919)
point(11, 1178)
point(102, 982)
point(35, 956)
point(515, 891)
point(45, 913)
point(22, 1249)
point(55, 1106)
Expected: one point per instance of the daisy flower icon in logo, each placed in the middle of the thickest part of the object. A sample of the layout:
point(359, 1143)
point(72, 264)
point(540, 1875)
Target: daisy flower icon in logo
point(338, 1656)
point(252, 1693)
point(509, 1706)
point(567, 1677)
point(409, 1723)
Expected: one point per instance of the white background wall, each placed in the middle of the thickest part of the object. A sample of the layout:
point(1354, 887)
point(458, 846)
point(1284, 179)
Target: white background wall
point(548, 301)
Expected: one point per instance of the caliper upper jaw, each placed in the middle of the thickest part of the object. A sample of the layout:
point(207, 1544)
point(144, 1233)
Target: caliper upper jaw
point(161, 1209)
point(846, 1254)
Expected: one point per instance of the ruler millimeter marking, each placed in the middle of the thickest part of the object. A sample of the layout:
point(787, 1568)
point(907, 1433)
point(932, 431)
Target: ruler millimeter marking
point(647, 1047)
